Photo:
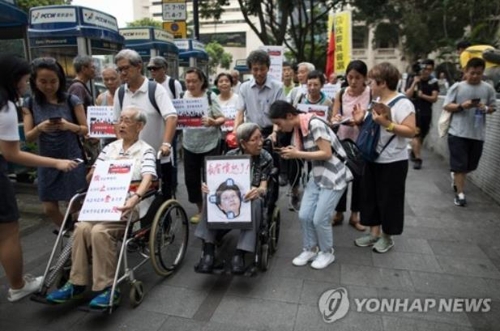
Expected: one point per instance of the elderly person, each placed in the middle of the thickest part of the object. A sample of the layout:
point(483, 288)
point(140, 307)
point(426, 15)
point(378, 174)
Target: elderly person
point(95, 242)
point(200, 142)
point(250, 141)
point(383, 182)
point(111, 80)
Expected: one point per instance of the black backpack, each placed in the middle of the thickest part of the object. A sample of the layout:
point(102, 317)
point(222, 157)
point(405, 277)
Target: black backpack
point(151, 95)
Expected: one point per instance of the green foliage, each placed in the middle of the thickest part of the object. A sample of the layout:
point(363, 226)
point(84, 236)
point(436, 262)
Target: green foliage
point(217, 57)
point(27, 4)
point(146, 21)
point(212, 8)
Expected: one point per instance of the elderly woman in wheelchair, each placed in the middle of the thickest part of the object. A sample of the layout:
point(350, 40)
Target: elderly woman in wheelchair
point(96, 242)
point(229, 200)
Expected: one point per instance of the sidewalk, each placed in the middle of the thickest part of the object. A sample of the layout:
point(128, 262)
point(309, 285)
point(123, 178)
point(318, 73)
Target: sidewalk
point(446, 254)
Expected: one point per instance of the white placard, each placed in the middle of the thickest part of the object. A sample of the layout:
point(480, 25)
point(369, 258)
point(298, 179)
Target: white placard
point(230, 114)
point(318, 110)
point(331, 90)
point(174, 11)
point(228, 180)
point(107, 190)
point(135, 34)
point(53, 15)
point(276, 56)
point(100, 19)
point(190, 112)
point(100, 121)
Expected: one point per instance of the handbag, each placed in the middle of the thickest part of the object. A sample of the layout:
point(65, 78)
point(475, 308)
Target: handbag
point(444, 123)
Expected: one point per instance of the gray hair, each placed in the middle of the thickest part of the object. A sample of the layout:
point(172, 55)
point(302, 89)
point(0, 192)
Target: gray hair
point(110, 68)
point(158, 61)
point(129, 54)
point(140, 115)
point(245, 131)
point(81, 61)
point(309, 66)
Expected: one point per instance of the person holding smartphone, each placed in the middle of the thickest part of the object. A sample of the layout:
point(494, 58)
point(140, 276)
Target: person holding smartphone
point(13, 83)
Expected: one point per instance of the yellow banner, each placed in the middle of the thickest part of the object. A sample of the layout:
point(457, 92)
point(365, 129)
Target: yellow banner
point(343, 40)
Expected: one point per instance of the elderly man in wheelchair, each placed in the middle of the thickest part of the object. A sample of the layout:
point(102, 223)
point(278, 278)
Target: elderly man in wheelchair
point(251, 143)
point(96, 242)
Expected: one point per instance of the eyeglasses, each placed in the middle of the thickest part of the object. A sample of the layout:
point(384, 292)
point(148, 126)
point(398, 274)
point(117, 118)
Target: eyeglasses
point(124, 68)
point(154, 68)
point(43, 61)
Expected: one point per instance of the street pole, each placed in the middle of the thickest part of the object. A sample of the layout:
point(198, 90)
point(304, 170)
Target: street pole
point(196, 20)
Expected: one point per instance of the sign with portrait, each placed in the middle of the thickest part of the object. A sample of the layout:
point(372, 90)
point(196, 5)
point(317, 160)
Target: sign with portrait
point(190, 112)
point(100, 122)
point(318, 110)
point(228, 180)
point(107, 191)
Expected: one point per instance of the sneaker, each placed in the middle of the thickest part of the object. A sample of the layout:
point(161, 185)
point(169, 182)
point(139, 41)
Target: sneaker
point(417, 164)
point(304, 257)
point(66, 293)
point(323, 260)
point(384, 244)
point(102, 300)
point(460, 200)
point(366, 240)
point(31, 285)
point(453, 186)
point(195, 219)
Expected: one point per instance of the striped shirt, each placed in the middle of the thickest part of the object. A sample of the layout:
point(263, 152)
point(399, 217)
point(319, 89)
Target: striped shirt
point(330, 174)
point(261, 165)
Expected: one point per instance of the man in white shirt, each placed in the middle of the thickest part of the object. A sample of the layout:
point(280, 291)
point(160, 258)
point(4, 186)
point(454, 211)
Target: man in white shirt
point(158, 67)
point(161, 115)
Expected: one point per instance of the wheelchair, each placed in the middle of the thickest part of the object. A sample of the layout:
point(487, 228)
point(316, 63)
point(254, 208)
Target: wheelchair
point(161, 238)
point(267, 233)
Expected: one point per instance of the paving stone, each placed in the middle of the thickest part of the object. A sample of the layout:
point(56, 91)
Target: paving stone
point(406, 261)
point(393, 323)
point(454, 248)
point(375, 277)
point(284, 268)
point(458, 265)
point(122, 320)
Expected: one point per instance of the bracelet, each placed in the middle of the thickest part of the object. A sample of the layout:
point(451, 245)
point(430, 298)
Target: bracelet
point(138, 195)
point(460, 108)
point(390, 127)
point(167, 144)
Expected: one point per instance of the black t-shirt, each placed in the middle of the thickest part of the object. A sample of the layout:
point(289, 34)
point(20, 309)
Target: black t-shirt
point(427, 87)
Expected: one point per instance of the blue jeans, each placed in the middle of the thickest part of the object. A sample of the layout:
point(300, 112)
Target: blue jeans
point(315, 214)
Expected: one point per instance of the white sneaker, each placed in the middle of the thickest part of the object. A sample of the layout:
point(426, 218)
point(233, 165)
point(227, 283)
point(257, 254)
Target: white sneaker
point(304, 257)
point(31, 285)
point(323, 260)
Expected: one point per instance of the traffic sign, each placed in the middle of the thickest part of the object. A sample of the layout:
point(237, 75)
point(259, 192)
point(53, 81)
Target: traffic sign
point(177, 29)
point(174, 11)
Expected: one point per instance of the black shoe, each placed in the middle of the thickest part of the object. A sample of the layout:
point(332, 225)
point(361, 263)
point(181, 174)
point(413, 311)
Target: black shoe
point(460, 201)
point(412, 156)
point(206, 265)
point(238, 265)
point(417, 165)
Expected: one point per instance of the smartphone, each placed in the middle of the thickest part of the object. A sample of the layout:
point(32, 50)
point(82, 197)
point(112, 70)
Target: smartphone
point(78, 160)
point(476, 102)
point(55, 119)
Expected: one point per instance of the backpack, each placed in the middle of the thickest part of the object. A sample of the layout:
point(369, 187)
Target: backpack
point(369, 135)
point(354, 160)
point(151, 95)
point(171, 87)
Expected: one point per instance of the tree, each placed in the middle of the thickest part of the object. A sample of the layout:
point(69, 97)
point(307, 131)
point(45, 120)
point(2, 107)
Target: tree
point(146, 21)
point(217, 57)
point(27, 4)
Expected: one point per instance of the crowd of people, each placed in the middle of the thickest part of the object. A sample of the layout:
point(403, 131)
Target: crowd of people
point(305, 146)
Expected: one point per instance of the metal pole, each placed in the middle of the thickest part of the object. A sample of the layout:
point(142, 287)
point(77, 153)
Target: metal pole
point(196, 20)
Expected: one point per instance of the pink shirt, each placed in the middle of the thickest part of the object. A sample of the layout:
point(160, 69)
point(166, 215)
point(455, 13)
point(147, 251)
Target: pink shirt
point(348, 103)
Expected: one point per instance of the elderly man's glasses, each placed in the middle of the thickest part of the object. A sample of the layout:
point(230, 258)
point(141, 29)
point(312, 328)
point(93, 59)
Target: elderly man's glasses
point(154, 68)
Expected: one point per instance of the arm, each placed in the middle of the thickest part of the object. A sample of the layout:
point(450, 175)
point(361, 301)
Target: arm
point(404, 129)
point(217, 118)
point(409, 91)
point(80, 128)
point(135, 198)
point(431, 98)
point(324, 153)
point(238, 119)
point(336, 109)
point(101, 96)
point(31, 132)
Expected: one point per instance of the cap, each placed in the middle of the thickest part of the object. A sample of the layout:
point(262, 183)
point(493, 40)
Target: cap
point(158, 61)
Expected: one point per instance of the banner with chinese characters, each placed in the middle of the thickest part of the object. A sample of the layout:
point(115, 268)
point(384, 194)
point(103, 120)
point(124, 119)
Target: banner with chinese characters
point(228, 180)
point(276, 56)
point(190, 112)
point(100, 122)
point(107, 191)
point(318, 110)
point(230, 114)
point(343, 41)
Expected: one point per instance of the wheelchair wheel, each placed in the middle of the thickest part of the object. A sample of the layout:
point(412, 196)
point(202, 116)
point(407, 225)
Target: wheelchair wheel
point(274, 231)
point(264, 257)
point(136, 293)
point(168, 238)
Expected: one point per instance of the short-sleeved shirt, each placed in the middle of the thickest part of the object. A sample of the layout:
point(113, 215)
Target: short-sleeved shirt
point(463, 124)
point(330, 174)
point(255, 100)
point(261, 165)
point(79, 89)
point(427, 87)
point(8, 123)
point(396, 150)
point(177, 88)
point(155, 126)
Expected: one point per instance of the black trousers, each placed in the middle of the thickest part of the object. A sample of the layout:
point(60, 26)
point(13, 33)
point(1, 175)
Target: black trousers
point(383, 196)
point(355, 198)
point(194, 171)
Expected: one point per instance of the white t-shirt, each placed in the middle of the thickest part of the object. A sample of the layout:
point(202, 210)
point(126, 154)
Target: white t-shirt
point(8, 123)
point(177, 87)
point(396, 150)
point(155, 126)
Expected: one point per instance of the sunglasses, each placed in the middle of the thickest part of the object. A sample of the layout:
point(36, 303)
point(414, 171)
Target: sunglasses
point(154, 68)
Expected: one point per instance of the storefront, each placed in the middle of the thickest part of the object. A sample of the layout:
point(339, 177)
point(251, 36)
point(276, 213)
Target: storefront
point(13, 26)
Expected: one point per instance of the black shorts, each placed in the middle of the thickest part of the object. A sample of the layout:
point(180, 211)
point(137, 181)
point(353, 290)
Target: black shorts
point(423, 122)
point(8, 205)
point(464, 153)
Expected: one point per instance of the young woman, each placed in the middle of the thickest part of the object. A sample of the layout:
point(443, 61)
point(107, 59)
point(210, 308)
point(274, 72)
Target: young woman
point(228, 101)
point(54, 120)
point(357, 93)
point(383, 182)
point(13, 83)
point(200, 142)
point(313, 141)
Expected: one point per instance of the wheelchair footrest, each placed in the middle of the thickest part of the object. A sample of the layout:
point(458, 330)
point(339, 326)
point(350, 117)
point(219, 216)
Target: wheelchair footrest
point(88, 309)
point(40, 298)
